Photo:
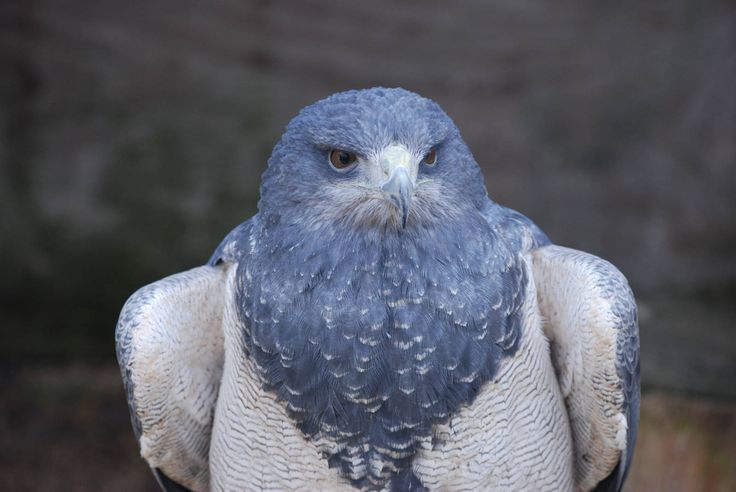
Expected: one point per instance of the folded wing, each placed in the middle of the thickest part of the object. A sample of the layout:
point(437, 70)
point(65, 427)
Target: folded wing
point(590, 319)
point(170, 350)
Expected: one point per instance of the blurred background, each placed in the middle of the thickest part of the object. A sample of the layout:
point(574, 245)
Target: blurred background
point(133, 135)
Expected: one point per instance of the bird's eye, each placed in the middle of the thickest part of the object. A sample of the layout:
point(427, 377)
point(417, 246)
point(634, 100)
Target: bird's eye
point(431, 158)
point(342, 159)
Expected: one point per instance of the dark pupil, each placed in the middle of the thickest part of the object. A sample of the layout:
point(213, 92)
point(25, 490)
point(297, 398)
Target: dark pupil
point(344, 158)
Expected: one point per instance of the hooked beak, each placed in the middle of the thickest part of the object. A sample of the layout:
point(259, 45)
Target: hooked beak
point(400, 189)
point(397, 162)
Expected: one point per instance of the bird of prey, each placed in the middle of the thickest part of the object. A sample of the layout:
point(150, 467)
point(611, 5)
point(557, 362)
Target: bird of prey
point(381, 324)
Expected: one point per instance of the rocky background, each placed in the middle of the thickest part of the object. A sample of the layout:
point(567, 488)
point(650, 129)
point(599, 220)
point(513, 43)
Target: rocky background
point(133, 135)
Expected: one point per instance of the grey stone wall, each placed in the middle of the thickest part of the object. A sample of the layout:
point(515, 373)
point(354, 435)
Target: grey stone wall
point(133, 135)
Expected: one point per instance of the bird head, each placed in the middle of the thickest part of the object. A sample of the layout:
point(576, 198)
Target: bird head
point(382, 159)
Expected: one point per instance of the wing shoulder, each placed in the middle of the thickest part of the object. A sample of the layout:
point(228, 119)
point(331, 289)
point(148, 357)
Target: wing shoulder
point(516, 229)
point(169, 344)
point(590, 319)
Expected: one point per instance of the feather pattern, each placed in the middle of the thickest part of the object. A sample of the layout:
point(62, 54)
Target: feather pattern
point(169, 347)
point(591, 321)
point(369, 344)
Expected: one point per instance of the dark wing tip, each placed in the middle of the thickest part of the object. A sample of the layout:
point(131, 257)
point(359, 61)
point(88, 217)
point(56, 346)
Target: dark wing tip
point(613, 482)
point(167, 484)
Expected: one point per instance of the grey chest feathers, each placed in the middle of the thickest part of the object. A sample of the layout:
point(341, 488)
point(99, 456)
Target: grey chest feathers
point(369, 342)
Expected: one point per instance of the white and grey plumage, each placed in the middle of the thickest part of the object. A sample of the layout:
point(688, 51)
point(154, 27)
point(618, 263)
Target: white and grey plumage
point(381, 324)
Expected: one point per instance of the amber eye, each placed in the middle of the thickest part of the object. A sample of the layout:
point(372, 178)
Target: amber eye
point(342, 159)
point(431, 157)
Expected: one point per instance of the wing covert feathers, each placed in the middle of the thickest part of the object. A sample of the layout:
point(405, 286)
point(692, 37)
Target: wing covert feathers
point(170, 350)
point(590, 319)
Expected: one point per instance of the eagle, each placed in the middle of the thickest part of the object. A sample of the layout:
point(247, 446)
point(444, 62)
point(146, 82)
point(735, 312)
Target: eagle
point(382, 324)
